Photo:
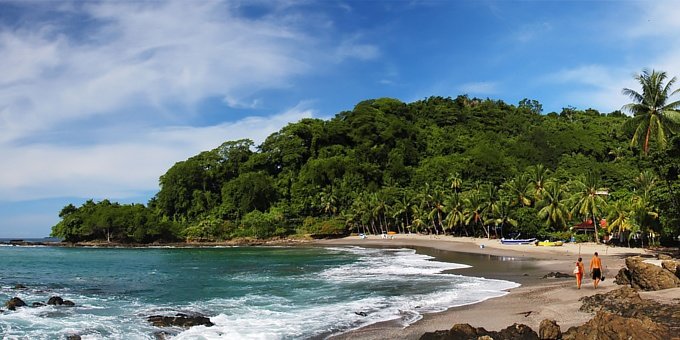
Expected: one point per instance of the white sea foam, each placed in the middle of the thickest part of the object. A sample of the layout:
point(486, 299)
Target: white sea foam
point(334, 300)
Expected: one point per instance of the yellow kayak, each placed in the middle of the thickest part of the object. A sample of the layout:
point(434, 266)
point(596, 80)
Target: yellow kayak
point(549, 243)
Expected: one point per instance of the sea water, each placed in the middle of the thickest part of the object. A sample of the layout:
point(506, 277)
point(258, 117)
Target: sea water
point(247, 292)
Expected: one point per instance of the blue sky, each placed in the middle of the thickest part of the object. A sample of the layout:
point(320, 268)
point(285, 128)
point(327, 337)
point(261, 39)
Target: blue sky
point(98, 99)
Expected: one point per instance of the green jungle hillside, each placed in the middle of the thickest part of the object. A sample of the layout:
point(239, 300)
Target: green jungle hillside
point(463, 166)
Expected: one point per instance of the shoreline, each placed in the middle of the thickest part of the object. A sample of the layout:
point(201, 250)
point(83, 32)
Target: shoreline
point(535, 300)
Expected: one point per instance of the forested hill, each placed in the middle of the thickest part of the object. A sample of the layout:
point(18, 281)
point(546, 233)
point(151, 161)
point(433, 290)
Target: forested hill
point(463, 165)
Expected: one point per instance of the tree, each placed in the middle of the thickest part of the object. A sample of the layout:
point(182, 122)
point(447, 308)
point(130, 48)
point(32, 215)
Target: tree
point(653, 115)
point(620, 218)
point(553, 206)
point(589, 201)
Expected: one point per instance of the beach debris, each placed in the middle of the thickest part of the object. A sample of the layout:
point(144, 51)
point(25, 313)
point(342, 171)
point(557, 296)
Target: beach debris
point(526, 314)
point(361, 313)
point(557, 275)
point(465, 331)
point(180, 320)
point(549, 329)
point(647, 276)
point(611, 326)
point(58, 301)
point(15, 302)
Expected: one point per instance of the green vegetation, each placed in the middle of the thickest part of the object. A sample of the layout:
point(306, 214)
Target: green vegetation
point(463, 166)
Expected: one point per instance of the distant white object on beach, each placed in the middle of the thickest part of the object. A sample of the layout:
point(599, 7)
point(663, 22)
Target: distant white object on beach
point(481, 246)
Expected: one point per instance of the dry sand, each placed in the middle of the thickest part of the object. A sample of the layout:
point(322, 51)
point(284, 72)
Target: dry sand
point(544, 298)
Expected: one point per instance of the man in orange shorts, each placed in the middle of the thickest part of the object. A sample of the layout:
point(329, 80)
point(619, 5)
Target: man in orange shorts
point(596, 269)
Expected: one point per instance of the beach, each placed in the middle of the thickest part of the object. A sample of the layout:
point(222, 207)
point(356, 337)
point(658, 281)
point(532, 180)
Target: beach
point(536, 299)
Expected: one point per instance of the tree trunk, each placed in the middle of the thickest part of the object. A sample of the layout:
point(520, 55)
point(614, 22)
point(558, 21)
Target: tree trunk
point(595, 223)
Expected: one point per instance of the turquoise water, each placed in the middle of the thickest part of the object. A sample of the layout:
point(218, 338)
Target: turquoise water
point(248, 292)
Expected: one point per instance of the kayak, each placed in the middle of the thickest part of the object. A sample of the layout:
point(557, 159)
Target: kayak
point(549, 243)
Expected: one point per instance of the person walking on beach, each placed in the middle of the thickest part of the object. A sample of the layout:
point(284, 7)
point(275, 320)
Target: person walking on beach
point(596, 269)
point(579, 271)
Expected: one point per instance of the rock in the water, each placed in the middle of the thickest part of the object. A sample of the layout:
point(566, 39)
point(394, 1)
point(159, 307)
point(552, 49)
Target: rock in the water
point(611, 326)
point(180, 320)
point(558, 275)
point(647, 276)
point(55, 301)
point(15, 302)
point(465, 331)
point(73, 337)
point(19, 286)
point(549, 329)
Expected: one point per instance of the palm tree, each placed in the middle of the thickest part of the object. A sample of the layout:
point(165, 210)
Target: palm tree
point(456, 182)
point(644, 213)
point(589, 202)
point(501, 215)
point(436, 199)
point(520, 189)
point(645, 181)
point(539, 176)
point(474, 205)
point(653, 116)
point(553, 206)
point(490, 205)
point(403, 207)
point(620, 218)
point(455, 212)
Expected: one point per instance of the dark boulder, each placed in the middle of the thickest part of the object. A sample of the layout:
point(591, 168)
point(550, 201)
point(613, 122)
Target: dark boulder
point(19, 286)
point(14, 302)
point(611, 326)
point(558, 275)
point(465, 331)
point(549, 329)
point(180, 320)
point(647, 276)
point(69, 303)
point(55, 301)
point(623, 277)
point(73, 337)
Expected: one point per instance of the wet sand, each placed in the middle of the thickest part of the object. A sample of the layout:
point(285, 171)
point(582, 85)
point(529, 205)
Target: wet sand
point(535, 300)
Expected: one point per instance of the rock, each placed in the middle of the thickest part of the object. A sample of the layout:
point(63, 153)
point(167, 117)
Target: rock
point(664, 257)
point(671, 266)
point(465, 331)
point(623, 277)
point(19, 286)
point(180, 320)
point(647, 276)
point(626, 302)
point(549, 329)
point(73, 337)
point(558, 275)
point(69, 303)
point(15, 302)
point(37, 304)
point(55, 301)
point(611, 326)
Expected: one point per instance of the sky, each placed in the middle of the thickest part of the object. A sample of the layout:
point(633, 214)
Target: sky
point(98, 99)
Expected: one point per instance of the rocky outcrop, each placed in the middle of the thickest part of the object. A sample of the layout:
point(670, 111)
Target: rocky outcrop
point(623, 277)
point(611, 326)
point(14, 302)
point(549, 329)
point(465, 332)
point(672, 266)
point(558, 275)
point(646, 276)
point(180, 320)
point(626, 302)
point(58, 301)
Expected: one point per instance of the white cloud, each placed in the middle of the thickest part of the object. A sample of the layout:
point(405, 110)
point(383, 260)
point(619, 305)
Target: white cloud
point(121, 169)
point(487, 87)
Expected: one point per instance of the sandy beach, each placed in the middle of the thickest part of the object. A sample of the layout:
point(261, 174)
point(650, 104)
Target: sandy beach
point(535, 300)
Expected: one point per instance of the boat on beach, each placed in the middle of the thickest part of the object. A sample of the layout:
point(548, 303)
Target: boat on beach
point(549, 243)
point(518, 241)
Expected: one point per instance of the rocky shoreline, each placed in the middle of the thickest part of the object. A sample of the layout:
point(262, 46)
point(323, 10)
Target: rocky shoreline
point(619, 314)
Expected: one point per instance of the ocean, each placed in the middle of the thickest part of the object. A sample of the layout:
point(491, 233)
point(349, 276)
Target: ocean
point(247, 292)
